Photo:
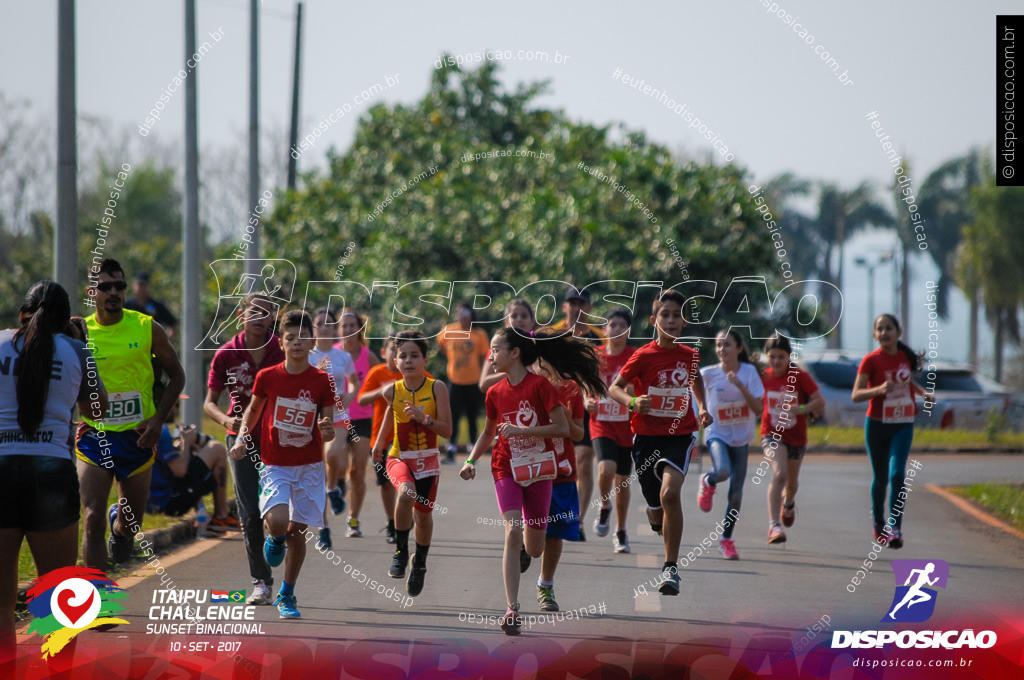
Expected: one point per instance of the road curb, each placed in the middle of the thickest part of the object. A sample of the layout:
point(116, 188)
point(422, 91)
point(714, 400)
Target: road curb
point(974, 511)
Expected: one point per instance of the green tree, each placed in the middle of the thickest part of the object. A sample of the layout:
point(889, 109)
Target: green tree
point(416, 210)
point(993, 248)
point(840, 215)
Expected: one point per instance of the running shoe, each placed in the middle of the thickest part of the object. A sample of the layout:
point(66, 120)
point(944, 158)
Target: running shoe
point(337, 500)
point(414, 586)
point(788, 514)
point(389, 536)
point(324, 542)
point(896, 542)
point(669, 581)
point(353, 528)
point(449, 454)
point(511, 621)
point(225, 523)
point(546, 598)
point(601, 523)
point(399, 561)
point(120, 547)
point(620, 542)
point(582, 537)
point(524, 560)
point(728, 547)
point(705, 494)
point(273, 551)
point(286, 606)
point(260, 594)
point(776, 534)
point(880, 536)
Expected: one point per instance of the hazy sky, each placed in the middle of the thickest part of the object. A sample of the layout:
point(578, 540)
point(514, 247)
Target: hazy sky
point(926, 67)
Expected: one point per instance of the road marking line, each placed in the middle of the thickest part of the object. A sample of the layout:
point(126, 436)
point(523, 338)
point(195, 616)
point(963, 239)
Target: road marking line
point(187, 552)
point(647, 561)
point(967, 507)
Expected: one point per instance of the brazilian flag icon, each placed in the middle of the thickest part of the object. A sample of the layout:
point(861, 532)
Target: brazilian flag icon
point(237, 596)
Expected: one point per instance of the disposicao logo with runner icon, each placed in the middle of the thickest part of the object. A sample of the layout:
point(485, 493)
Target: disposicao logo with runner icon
point(913, 602)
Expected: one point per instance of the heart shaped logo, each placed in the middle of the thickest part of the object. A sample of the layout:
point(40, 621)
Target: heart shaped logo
point(75, 603)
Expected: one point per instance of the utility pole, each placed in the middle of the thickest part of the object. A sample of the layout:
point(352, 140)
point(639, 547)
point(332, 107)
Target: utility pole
point(293, 136)
point(65, 241)
point(191, 331)
point(252, 266)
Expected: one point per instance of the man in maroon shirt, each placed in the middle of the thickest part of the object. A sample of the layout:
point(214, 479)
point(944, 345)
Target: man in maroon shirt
point(234, 370)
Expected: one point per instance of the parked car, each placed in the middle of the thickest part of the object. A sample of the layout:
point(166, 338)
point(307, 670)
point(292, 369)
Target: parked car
point(964, 399)
point(835, 371)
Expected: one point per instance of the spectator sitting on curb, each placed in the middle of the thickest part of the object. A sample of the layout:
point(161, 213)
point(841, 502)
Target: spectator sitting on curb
point(188, 466)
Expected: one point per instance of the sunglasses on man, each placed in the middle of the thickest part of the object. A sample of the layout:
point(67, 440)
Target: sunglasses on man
point(107, 285)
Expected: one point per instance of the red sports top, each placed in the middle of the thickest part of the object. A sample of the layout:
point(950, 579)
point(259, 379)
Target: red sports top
point(666, 375)
point(527, 404)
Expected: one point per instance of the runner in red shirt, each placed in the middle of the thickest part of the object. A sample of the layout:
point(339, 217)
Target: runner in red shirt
point(783, 435)
point(612, 436)
point(885, 377)
point(300, 418)
point(525, 410)
point(663, 375)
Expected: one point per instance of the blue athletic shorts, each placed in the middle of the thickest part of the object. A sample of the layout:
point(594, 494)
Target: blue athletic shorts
point(564, 517)
point(114, 451)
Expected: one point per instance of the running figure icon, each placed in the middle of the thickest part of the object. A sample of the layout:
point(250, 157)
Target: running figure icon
point(915, 594)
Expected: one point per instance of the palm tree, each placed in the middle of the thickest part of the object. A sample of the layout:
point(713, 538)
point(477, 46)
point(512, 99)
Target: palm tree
point(841, 214)
point(945, 207)
point(990, 258)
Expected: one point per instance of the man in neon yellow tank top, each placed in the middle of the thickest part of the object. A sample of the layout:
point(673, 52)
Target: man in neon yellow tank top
point(121, 445)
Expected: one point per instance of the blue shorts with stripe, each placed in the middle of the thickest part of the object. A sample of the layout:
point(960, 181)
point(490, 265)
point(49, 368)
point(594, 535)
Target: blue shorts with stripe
point(114, 451)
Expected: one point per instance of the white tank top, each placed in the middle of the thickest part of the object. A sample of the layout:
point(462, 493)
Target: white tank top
point(73, 369)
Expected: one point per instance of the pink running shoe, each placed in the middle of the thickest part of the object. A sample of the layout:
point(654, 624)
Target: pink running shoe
point(704, 496)
point(728, 549)
point(776, 534)
point(788, 514)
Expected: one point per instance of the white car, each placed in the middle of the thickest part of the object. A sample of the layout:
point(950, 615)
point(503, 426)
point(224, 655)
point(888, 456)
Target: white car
point(965, 399)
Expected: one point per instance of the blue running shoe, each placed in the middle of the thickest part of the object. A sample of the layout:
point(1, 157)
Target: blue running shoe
point(273, 551)
point(337, 500)
point(286, 606)
point(119, 546)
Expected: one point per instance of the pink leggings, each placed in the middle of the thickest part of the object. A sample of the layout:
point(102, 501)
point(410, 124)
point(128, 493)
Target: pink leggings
point(533, 501)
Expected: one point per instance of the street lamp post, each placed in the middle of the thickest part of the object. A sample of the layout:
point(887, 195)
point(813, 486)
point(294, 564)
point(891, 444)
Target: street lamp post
point(870, 266)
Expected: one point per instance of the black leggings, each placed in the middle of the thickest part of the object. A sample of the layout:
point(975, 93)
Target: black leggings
point(465, 400)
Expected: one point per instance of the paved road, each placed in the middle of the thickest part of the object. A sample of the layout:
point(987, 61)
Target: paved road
point(771, 591)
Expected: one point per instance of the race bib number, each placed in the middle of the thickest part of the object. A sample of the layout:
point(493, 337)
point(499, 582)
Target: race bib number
point(669, 402)
point(732, 413)
point(611, 411)
point(124, 408)
point(775, 410)
point(898, 409)
point(534, 467)
point(422, 462)
point(294, 415)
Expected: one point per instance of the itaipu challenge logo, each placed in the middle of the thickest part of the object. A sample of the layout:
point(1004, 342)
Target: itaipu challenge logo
point(69, 600)
point(914, 601)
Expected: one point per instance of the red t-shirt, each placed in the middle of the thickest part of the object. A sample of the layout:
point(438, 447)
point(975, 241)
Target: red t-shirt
point(289, 434)
point(234, 371)
point(792, 426)
point(666, 375)
point(611, 420)
point(528, 404)
point(899, 405)
point(571, 396)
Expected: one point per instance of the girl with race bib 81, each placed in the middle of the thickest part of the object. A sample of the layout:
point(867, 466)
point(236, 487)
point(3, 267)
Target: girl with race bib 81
point(884, 377)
